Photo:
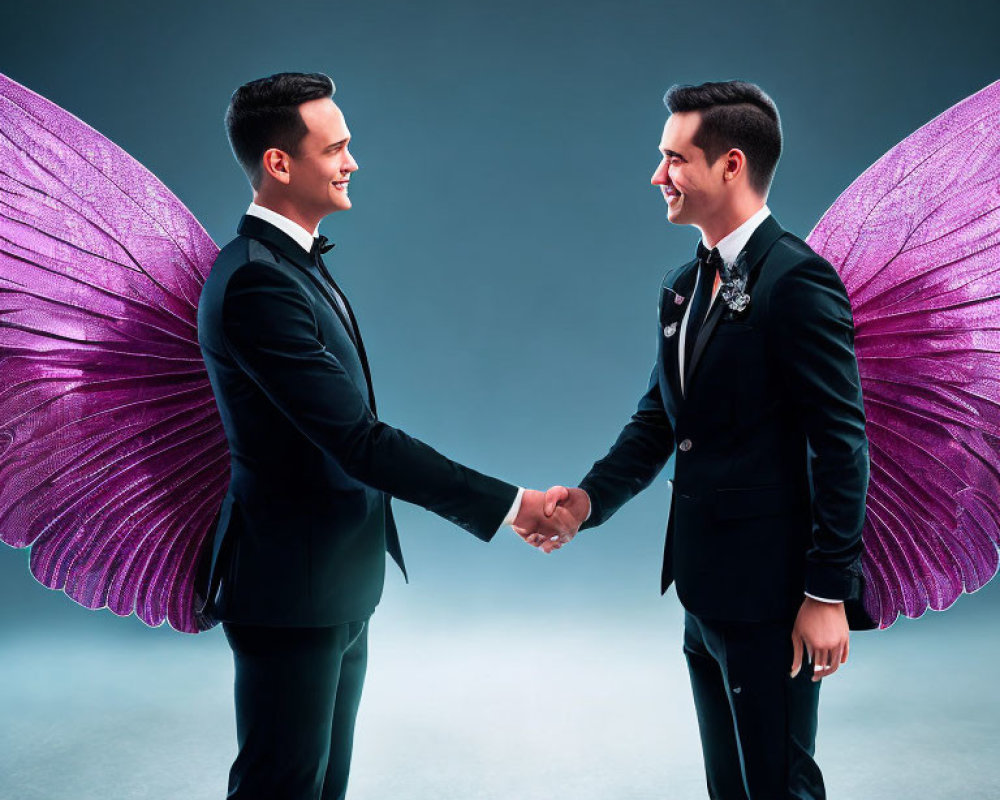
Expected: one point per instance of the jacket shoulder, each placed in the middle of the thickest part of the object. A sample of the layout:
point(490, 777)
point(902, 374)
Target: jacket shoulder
point(243, 250)
point(802, 281)
point(244, 262)
point(791, 252)
point(792, 261)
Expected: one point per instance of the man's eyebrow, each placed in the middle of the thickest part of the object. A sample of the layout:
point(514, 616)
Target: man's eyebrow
point(337, 144)
point(667, 152)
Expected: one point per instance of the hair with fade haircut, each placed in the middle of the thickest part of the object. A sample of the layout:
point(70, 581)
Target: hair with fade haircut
point(265, 113)
point(734, 114)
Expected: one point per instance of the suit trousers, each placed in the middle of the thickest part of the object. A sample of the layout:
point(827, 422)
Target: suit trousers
point(297, 695)
point(758, 725)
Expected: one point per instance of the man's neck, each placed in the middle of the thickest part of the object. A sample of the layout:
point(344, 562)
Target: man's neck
point(289, 227)
point(288, 210)
point(729, 220)
point(730, 245)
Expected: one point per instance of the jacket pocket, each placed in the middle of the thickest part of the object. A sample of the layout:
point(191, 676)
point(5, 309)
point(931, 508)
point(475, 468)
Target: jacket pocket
point(733, 326)
point(755, 501)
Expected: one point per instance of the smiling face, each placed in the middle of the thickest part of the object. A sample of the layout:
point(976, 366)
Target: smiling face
point(693, 188)
point(314, 182)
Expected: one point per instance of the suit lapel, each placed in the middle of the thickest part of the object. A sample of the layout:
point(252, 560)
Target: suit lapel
point(321, 283)
point(672, 318)
point(714, 315)
point(355, 331)
point(757, 246)
point(349, 321)
point(290, 250)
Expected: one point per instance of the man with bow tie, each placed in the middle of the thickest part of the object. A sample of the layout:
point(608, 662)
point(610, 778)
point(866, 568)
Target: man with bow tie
point(299, 557)
point(756, 393)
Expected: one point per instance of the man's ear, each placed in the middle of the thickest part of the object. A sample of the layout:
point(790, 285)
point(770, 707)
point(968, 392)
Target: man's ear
point(736, 164)
point(277, 165)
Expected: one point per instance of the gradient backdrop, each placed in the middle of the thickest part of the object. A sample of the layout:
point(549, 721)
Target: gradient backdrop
point(503, 255)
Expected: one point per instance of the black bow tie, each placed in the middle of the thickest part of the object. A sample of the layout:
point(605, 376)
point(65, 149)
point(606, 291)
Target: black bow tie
point(321, 245)
point(710, 258)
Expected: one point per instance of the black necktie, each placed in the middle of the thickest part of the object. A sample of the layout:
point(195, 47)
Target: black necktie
point(709, 265)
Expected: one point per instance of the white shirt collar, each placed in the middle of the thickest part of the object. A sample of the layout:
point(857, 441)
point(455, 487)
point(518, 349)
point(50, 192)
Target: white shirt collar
point(300, 235)
point(733, 242)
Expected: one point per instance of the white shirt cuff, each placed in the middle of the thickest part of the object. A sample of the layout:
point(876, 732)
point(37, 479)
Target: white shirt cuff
point(823, 599)
point(514, 509)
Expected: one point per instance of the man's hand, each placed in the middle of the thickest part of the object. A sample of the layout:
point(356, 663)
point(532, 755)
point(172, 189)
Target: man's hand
point(561, 511)
point(538, 528)
point(560, 502)
point(821, 630)
point(576, 502)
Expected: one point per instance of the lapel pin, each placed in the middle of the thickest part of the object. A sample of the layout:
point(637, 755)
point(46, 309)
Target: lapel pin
point(670, 330)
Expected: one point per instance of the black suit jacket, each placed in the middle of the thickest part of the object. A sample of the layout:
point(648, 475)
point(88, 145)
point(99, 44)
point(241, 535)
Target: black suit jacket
point(771, 454)
point(305, 525)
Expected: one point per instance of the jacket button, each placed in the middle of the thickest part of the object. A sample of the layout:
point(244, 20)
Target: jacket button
point(685, 445)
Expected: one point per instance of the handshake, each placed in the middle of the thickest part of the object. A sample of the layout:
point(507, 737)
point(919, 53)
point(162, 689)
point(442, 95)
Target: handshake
point(548, 520)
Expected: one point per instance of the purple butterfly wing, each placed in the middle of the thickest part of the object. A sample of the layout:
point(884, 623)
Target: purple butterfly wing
point(916, 240)
point(113, 461)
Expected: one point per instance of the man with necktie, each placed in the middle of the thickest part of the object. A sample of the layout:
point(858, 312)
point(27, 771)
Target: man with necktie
point(756, 393)
point(299, 553)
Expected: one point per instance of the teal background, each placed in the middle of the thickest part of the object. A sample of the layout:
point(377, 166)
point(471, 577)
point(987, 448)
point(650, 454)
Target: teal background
point(503, 255)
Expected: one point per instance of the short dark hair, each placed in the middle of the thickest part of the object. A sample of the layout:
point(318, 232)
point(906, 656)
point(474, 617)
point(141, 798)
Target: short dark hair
point(733, 114)
point(265, 113)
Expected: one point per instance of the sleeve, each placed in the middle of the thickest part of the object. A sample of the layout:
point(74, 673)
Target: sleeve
point(515, 508)
point(636, 457)
point(819, 370)
point(272, 334)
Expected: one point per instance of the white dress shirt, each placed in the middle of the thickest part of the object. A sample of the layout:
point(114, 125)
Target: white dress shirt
point(304, 239)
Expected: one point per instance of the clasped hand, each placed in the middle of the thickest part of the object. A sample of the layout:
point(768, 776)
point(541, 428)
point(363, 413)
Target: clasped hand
point(548, 520)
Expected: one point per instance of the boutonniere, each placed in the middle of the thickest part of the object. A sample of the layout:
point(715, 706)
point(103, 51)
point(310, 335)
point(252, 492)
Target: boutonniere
point(734, 287)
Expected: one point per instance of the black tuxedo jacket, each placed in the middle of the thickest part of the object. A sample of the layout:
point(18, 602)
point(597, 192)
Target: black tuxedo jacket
point(769, 435)
point(306, 523)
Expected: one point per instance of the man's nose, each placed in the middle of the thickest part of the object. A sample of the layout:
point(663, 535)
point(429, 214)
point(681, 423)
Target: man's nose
point(352, 164)
point(659, 177)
